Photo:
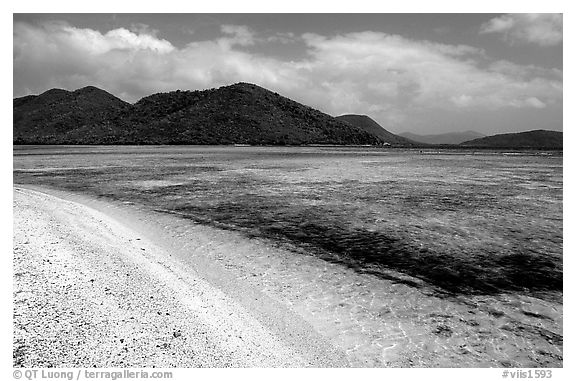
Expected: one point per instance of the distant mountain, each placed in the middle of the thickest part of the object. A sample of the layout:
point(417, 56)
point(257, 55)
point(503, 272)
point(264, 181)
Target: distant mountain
point(369, 125)
point(448, 138)
point(242, 113)
point(56, 113)
point(542, 139)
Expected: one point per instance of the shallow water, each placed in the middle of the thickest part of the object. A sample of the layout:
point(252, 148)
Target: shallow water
point(439, 216)
point(423, 250)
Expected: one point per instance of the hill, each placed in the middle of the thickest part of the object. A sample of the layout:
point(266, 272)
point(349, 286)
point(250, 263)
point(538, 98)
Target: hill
point(367, 124)
point(241, 113)
point(45, 118)
point(541, 139)
point(448, 138)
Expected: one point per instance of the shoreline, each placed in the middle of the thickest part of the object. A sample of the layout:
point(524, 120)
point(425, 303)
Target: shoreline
point(132, 302)
point(355, 319)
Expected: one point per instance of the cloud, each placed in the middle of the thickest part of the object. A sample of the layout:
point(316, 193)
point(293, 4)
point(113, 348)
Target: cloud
point(421, 74)
point(394, 79)
point(283, 38)
point(141, 28)
point(544, 29)
point(238, 34)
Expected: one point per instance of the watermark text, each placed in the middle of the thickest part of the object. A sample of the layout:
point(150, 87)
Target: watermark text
point(90, 374)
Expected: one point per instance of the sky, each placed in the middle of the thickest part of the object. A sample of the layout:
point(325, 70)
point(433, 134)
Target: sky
point(420, 73)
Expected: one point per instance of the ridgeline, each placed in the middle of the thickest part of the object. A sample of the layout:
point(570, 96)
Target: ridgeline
point(238, 114)
point(242, 113)
point(537, 139)
point(368, 124)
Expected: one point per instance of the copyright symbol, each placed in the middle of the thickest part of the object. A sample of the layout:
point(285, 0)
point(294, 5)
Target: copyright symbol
point(17, 374)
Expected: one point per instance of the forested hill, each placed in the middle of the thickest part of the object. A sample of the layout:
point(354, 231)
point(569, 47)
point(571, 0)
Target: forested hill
point(237, 114)
point(541, 139)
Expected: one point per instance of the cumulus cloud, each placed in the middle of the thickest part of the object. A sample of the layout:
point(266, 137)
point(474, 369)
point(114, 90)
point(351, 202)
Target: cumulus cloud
point(544, 29)
point(390, 77)
point(90, 41)
point(404, 72)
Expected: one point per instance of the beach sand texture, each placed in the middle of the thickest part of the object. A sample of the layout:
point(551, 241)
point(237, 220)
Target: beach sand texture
point(98, 283)
point(90, 292)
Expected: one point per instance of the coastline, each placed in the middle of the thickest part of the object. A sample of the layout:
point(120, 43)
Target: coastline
point(109, 296)
point(337, 315)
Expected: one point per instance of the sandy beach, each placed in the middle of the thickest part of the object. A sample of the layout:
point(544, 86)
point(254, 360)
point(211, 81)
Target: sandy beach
point(106, 283)
point(91, 292)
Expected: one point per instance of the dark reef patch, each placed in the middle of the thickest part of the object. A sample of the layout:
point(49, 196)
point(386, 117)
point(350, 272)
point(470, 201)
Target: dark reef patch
point(468, 273)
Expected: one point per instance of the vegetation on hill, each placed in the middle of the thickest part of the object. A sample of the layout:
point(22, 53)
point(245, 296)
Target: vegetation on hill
point(237, 114)
point(367, 124)
point(540, 139)
point(49, 117)
point(242, 113)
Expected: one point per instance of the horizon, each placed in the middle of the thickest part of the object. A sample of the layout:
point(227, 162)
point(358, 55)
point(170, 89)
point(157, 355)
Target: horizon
point(425, 74)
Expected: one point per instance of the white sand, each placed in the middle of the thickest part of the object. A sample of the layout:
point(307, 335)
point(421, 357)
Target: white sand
point(89, 291)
